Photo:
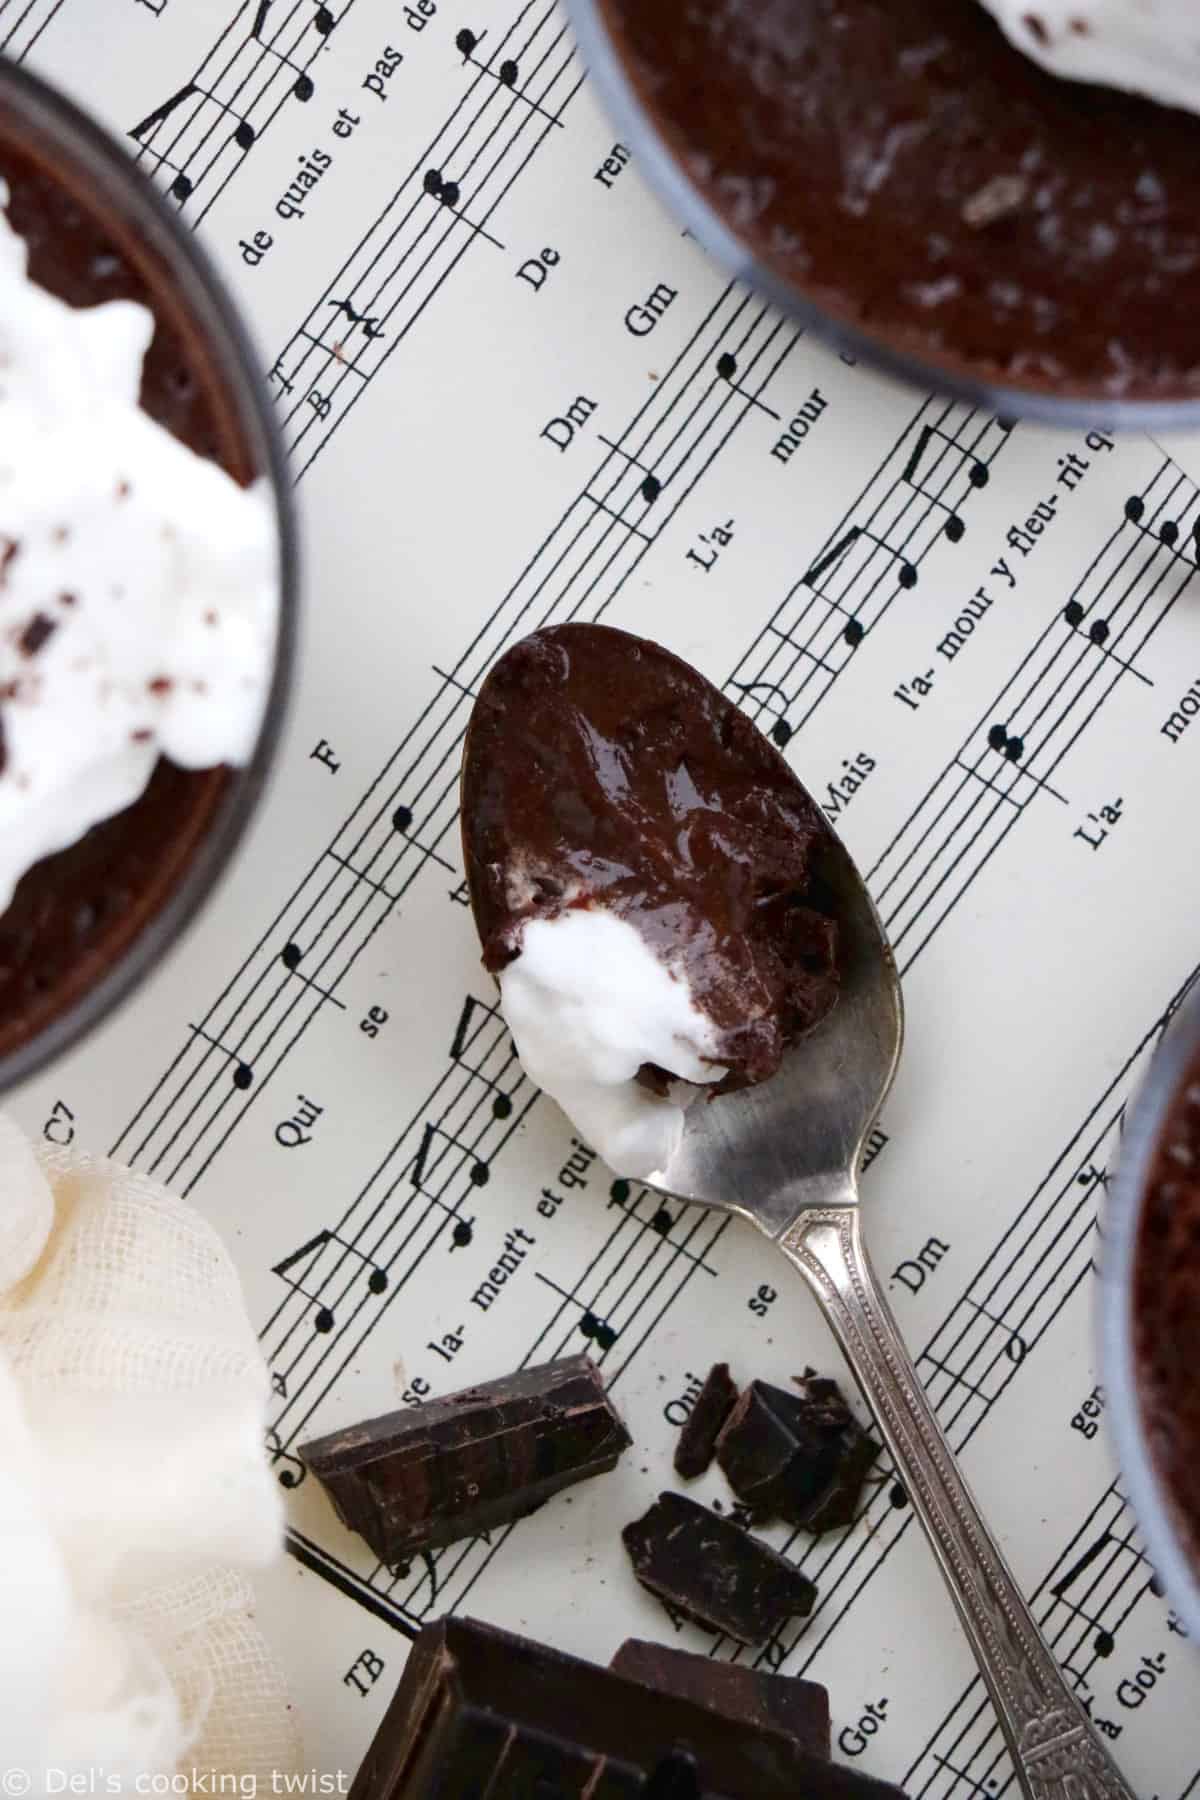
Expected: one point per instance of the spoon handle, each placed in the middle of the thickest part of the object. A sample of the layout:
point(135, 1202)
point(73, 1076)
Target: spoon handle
point(1056, 1753)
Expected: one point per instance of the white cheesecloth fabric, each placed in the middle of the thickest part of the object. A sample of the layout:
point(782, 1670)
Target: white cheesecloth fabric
point(134, 1490)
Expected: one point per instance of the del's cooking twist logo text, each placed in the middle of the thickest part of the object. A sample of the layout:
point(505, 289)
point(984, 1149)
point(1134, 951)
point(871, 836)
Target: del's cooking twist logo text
point(15, 1784)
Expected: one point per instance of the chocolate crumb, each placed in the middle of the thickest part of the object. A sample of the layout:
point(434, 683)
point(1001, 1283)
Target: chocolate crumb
point(11, 546)
point(68, 599)
point(160, 685)
point(210, 617)
point(36, 633)
point(123, 490)
point(60, 534)
point(141, 737)
point(1080, 27)
point(1036, 28)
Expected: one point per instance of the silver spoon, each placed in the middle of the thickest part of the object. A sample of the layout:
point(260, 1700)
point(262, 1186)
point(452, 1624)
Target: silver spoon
point(785, 1156)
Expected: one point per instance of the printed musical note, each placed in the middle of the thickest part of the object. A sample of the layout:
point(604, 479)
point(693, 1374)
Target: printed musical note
point(466, 42)
point(243, 135)
point(598, 1331)
point(243, 1074)
point(1104, 1642)
point(303, 87)
point(402, 819)
point(907, 576)
point(727, 369)
point(295, 1472)
point(462, 1040)
point(447, 193)
point(651, 486)
point(291, 957)
point(977, 474)
point(479, 1172)
point(324, 1320)
point(1015, 1347)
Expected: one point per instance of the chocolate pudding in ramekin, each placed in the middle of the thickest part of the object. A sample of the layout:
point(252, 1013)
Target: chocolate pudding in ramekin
point(924, 193)
point(87, 922)
point(1150, 1311)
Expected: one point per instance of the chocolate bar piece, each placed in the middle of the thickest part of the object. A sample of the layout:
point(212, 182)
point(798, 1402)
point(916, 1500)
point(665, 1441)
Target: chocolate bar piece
point(775, 1454)
point(784, 1703)
point(462, 1465)
point(698, 1438)
point(713, 1572)
point(800, 1457)
point(480, 1712)
point(856, 1451)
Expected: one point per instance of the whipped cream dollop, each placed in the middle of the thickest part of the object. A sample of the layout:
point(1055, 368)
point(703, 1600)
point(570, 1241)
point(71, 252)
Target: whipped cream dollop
point(588, 1002)
point(139, 584)
point(1149, 47)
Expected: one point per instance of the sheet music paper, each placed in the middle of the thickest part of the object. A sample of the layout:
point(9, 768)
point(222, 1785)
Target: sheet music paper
point(514, 392)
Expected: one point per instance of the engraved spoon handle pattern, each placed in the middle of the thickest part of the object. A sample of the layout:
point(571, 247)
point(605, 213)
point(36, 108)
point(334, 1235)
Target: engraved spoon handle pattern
point(1055, 1751)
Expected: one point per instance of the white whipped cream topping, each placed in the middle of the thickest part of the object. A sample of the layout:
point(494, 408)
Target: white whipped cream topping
point(150, 576)
point(1146, 46)
point(588, 1002)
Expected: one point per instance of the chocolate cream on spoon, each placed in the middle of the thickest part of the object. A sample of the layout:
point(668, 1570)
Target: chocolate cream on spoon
point(645, 873)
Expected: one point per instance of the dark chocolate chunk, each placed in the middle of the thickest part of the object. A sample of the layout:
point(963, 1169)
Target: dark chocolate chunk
point(856, 1451)
point(462, 1465)
point(482, 1712)
point(799, 1709)
point(713, 1572)
point(698, 1437)
point(776, 1453)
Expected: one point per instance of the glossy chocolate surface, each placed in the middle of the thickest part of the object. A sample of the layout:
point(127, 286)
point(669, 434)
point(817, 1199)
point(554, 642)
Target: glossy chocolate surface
point(916, 178)
point(602, 769)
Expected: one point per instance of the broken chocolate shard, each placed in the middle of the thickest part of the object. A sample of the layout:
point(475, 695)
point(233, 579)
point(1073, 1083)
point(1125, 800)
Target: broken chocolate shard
point(713, 1572)
point(784, 1703)
point(481, 1711)
point(698, 1436)
point(776, 1454)
point(856, 1451)
point(463, 1465)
